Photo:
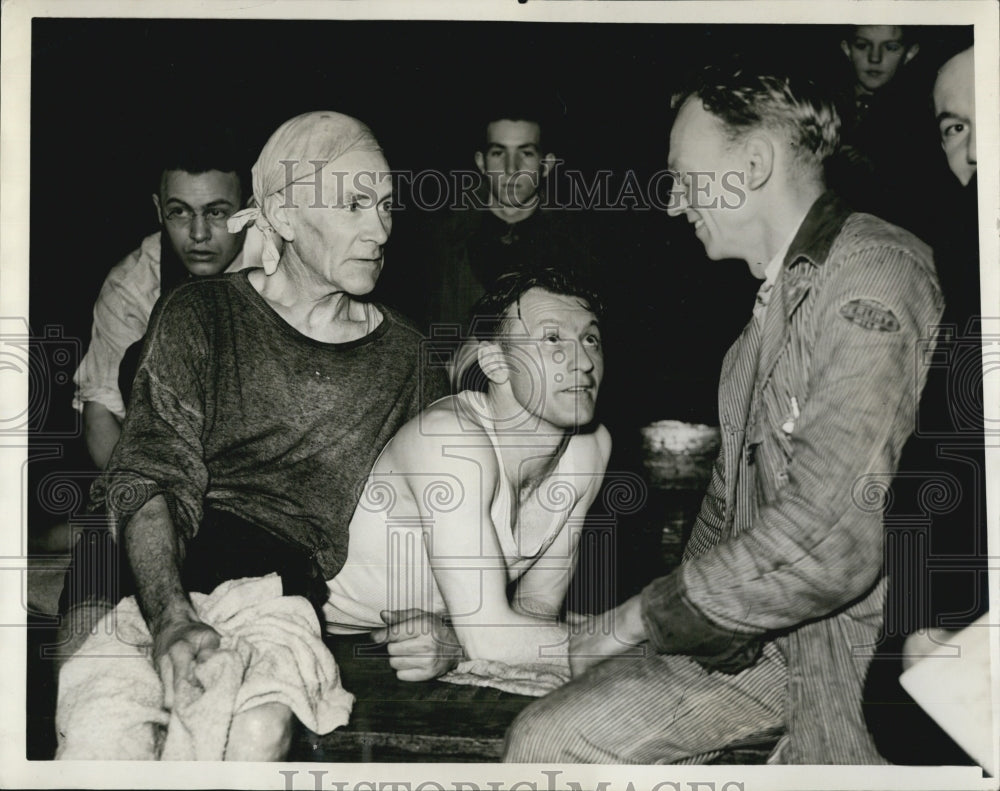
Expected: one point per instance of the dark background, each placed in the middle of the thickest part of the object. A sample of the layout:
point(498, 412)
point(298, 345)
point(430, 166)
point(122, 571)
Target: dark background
point(105, 93)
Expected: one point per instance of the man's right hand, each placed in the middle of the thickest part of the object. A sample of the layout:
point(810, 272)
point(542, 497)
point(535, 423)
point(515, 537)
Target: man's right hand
point(421, 645)
point(177, 648)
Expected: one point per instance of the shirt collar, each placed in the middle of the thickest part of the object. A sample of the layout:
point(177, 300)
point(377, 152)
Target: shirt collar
point(237, 263)
point(773, 268)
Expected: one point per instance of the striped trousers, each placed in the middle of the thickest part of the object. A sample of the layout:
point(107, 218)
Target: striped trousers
point(656, 709)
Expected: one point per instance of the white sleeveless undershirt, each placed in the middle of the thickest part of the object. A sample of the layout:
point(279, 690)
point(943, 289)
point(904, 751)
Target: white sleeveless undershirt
point(387, 563)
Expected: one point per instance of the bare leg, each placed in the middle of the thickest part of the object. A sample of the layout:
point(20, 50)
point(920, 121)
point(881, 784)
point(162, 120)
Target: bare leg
point(263, 733)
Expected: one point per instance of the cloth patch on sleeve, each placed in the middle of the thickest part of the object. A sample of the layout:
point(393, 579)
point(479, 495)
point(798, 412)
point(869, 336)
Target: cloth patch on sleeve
point(870, 314)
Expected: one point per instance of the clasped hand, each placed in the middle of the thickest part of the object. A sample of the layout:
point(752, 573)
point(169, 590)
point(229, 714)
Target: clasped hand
point(421, 645)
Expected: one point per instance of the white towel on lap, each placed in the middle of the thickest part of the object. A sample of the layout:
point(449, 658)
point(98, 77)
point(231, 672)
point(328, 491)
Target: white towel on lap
point(110, 701)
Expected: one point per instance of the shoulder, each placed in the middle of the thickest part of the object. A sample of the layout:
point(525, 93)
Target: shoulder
point(868, 230)
point(572, 233)
point(140, 269)
point(200, 291)
point(404, 329)
point(872, 259)
point(444, 435)
point(603, 437)
point(400, 341)
point(592, 447)
point(448, 421)
point(565, 222)
point(881, 244)
point(196, 303)
point(400, 347)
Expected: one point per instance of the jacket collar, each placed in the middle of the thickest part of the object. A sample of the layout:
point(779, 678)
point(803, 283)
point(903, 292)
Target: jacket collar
point(810, 245)
point(822, 224)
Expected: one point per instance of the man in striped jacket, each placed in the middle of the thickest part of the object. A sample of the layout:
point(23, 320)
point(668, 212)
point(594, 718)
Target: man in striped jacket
point(769, 623)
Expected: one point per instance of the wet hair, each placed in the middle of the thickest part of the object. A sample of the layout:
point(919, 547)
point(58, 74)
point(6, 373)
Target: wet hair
point(489, 319)
point(489, 315)
point(745, 99)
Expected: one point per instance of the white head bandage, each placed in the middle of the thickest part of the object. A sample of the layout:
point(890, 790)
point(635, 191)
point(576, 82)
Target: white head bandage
point(297, 151)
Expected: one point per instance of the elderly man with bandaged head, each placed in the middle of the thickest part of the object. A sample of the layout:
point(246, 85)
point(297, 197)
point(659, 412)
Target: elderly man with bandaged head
point(260, 404)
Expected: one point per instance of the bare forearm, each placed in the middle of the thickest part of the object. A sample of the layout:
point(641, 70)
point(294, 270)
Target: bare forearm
point(511, 638)
point(155, 552)
point(101, 431)
point(628, 623)
point(599, 637)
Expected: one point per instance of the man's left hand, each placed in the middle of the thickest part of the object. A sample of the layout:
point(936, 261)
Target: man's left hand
point(421, 645)
point(594, 638)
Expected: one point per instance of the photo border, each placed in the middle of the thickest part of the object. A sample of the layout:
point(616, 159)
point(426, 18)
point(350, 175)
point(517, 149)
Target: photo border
point(15, 97)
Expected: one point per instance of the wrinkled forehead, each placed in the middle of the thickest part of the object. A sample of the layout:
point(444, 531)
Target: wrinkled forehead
point(357, 174)
point(540, 309)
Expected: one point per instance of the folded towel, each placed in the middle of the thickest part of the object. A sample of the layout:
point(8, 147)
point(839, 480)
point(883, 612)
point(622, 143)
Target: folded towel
point(110, 700)
point(534, 679)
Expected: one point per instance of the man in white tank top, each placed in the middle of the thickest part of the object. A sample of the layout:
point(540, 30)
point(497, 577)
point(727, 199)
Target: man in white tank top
point(486, 490)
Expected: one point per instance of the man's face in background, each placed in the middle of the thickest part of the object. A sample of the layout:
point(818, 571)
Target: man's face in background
point(513, 162)
point(194, 208)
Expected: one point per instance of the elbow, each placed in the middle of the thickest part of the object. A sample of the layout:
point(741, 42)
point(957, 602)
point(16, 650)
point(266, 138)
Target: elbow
point(850, 570)
point(861, 579)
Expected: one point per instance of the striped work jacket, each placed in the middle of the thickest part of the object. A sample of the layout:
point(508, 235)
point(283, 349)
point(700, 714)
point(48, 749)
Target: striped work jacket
point(814, 406)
